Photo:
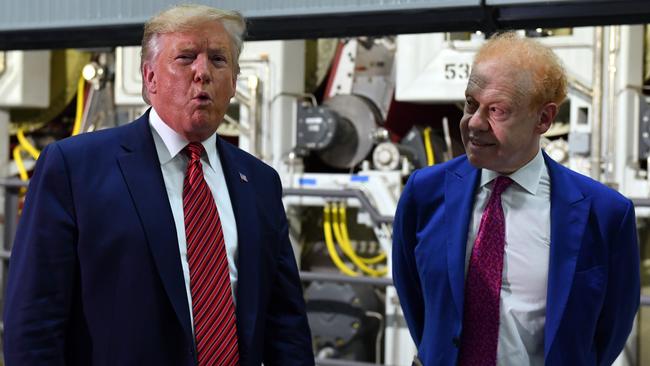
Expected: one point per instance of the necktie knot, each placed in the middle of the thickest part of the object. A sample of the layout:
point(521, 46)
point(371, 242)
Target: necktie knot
point(193, 150)
point(501, 184)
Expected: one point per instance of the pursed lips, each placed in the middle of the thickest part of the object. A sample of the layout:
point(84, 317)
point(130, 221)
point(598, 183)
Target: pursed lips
point(202, 96)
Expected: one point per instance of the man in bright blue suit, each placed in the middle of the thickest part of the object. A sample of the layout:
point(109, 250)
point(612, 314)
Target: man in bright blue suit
point(99, 273)
point(548, 271)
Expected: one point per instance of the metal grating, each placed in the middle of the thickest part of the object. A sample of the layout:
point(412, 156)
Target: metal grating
point(39, 14)
point(47, 24)
point(535, 2)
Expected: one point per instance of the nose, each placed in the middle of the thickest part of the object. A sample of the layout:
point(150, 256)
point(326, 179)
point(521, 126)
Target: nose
point(202, 69)
point(478, 120)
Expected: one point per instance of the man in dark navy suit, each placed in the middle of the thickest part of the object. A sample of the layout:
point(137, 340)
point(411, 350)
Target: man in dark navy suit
point(157, 243)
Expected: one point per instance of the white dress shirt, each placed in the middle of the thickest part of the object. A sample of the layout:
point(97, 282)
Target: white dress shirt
point(527, 209)
point(173, 164)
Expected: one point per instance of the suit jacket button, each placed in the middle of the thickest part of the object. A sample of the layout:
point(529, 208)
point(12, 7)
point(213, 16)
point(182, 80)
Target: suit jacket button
point(456, 342)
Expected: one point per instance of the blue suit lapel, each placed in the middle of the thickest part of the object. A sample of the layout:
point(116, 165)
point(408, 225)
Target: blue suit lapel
point(460, 188)
point(141, 170)
point(242, 196)
point(569, 215)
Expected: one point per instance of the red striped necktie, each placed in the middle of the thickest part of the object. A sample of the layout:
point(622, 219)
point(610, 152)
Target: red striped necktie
point(213, 309)
point(480, 336)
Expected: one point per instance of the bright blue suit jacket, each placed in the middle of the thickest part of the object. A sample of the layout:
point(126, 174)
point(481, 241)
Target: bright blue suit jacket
point(593, 281)
point(95, 273)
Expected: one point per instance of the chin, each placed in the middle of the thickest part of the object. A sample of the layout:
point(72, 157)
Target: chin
point(204, 122)
point(478, 162)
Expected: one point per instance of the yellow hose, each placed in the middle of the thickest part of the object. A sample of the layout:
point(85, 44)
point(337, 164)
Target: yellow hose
point(329, 242)
point(22, 172)
point(431, 158)
point(349, 252)
point(81, 89)
point(344, 234)
point(26, 145)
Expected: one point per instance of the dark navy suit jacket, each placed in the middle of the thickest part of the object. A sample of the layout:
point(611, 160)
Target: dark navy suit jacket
point(593, 281)
point(95, 273)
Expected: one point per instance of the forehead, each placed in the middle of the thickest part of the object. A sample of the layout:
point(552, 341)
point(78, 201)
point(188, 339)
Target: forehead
point(208, 35)
point(498, 79)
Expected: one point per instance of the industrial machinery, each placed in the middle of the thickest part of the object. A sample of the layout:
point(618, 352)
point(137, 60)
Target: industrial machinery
point(385, 106)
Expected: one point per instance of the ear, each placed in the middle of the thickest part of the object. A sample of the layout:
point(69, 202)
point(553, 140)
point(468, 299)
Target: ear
point(149, 78)
point(546, 117)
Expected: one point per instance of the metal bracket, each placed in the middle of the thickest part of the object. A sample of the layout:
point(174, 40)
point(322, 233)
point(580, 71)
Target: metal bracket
point(376, 217)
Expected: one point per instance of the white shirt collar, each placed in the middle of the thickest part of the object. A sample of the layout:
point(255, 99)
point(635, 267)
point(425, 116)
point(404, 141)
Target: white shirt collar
point(174, 142)
point(527, 176)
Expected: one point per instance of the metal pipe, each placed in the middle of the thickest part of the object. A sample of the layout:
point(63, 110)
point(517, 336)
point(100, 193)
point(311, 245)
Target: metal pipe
point(334, 277)
point(310, 96)
point(258, 72)
point(445, 128)
point(596, 106)
point(614, 45)
point(11, 216)
point(645, 300)
point(11, 221)
point(580, 88)
point(13, 183)
point(375, 216)
point(641, 202)
point(253, 85)
point(242, 98)
point(380, 333)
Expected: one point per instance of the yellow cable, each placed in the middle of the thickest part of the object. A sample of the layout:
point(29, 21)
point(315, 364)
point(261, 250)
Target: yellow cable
point(22, 172)
point(26, 145)
point(344, 233)
point(349, 252)
point(81, 89)
point(431, 158)
point(329, 242)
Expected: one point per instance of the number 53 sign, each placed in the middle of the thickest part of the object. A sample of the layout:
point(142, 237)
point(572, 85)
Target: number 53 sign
point(457, 71)
point(442, 78)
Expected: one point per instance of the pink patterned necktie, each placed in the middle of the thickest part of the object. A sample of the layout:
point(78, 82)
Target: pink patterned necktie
point(215, 328)
point(483, 284)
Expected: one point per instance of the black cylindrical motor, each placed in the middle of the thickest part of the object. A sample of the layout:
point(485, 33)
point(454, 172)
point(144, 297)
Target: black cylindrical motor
point(338, 319)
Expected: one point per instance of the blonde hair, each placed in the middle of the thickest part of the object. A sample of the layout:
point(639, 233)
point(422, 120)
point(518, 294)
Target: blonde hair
point(188, 17)
point(537, 60)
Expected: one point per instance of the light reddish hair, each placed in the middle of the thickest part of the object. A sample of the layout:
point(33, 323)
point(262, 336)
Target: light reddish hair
point(538, 61)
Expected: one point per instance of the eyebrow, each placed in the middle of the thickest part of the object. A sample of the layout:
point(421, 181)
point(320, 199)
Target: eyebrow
point(211, 51)
point(190, 48)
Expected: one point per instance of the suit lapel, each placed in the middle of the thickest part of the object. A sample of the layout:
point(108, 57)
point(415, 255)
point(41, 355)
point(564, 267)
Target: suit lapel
point(242, 197)
point(141, 170)
point(569, 215)
point(459, 198)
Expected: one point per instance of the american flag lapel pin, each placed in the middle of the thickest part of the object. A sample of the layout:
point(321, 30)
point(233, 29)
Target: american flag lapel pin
point(243, 177)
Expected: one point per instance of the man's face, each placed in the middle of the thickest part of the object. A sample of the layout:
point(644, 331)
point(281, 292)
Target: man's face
point(499, 128)
point(191, 80)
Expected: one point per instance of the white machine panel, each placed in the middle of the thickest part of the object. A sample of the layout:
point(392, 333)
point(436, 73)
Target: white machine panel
point(432, 69)
point(128, 79)
point(25, 79)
